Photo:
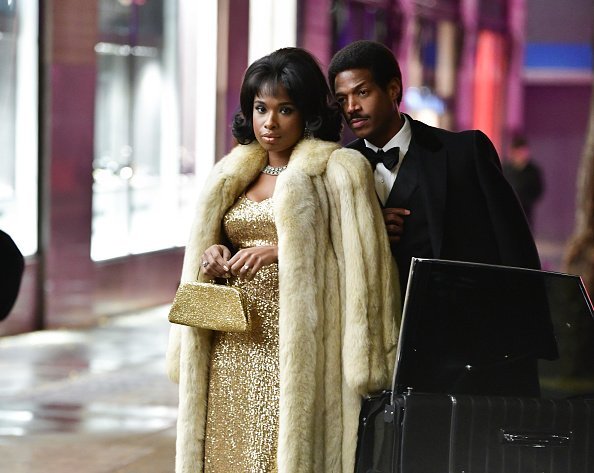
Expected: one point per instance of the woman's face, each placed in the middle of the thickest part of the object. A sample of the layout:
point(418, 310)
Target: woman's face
point(278, 125)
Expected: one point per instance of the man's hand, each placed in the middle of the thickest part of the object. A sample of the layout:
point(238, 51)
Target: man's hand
point(394, 219)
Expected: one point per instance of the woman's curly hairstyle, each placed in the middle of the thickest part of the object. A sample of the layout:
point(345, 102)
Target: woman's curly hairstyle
point(300, 74)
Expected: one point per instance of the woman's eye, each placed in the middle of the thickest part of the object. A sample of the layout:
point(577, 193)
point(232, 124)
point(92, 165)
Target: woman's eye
point(259, 109)
point(286, 110)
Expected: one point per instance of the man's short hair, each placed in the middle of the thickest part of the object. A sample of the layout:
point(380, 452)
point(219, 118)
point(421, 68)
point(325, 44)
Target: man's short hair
point(370, 55)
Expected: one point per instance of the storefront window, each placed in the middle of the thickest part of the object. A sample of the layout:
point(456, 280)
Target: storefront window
point(18, 119)
point(432, 73)
point(142, 192)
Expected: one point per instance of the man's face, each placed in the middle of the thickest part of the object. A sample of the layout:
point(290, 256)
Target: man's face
point(370, 111)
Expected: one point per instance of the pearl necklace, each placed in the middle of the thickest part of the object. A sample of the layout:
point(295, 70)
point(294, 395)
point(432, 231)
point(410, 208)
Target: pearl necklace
point(272, 171)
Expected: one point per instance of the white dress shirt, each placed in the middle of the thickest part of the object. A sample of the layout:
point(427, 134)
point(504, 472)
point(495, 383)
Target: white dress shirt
point(384, 178)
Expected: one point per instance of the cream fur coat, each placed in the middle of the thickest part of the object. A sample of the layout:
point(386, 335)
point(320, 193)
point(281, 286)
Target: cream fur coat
point(339, 304)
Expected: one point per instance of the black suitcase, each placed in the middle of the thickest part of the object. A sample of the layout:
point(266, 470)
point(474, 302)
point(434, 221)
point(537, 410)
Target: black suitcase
point(437, 433)
point(444, 414)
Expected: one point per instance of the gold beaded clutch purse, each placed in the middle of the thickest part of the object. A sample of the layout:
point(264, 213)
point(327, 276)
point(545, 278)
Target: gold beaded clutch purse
point(210, 306)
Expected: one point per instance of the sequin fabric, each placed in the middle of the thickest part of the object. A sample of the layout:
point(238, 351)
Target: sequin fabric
point(243, 398)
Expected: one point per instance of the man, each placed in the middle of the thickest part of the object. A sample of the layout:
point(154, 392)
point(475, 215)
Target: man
point(443, 196)
point(524, 175)
point(443, 193)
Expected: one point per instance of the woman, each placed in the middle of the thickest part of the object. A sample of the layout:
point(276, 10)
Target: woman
point(293, 220)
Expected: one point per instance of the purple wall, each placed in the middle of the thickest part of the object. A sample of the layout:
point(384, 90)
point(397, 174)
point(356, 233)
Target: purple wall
point(556, 120)
point(315, 29)
point(552, 21)
point(237, 64)
point(556, 101)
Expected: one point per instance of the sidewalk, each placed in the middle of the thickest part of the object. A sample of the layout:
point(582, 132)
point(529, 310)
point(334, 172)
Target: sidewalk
point(97, 400)
point(89, 401)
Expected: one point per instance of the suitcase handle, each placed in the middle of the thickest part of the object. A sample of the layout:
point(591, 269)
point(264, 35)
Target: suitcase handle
point(534, 439)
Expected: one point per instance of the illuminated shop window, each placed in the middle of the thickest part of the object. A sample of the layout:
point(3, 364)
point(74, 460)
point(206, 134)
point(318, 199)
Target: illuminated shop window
point(431, 81)
point(424, 105)
point(143, 191)
point(280, 19)
point(18, 119)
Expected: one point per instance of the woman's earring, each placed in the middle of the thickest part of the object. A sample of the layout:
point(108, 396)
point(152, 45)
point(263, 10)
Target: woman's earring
point(307, 134)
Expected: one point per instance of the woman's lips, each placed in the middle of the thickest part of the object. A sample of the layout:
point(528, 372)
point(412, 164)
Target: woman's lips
point(270, 138)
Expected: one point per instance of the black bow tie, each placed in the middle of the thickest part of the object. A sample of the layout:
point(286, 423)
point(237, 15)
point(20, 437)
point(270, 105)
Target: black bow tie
point(389, 158)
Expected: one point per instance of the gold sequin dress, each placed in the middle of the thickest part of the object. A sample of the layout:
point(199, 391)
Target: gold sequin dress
point(243, 397)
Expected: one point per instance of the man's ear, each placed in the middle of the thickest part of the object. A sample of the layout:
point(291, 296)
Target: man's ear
point(394, 89)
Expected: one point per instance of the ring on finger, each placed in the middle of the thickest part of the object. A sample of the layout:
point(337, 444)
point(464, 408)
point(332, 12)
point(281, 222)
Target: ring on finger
point(246, 267)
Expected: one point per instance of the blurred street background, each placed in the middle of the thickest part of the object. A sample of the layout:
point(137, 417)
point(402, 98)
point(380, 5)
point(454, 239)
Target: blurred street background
point(92, 401)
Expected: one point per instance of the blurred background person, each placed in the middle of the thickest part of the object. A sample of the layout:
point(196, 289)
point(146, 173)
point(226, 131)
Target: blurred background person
point(524, 175)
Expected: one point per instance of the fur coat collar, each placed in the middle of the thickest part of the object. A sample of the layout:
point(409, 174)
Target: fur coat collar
point(338, 296)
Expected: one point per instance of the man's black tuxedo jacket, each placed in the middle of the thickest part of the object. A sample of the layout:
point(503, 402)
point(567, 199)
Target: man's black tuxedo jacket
point(462, 207)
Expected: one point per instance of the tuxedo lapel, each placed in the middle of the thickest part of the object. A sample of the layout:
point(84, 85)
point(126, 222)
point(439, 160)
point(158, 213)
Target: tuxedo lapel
point(406, 182)
point(427, 169)
point(432, 173)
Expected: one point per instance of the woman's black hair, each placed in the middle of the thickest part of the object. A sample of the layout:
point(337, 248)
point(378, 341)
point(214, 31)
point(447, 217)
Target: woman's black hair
point(370, 55)
point(300, 74)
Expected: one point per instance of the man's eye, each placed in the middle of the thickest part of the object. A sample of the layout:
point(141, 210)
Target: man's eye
point(363, 92)
point(340, 100)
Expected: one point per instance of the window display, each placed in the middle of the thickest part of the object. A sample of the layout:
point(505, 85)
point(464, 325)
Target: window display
point(142, 191)
point(18, 115)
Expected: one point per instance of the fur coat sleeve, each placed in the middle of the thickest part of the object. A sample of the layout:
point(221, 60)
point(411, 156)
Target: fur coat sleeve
point(372, 294)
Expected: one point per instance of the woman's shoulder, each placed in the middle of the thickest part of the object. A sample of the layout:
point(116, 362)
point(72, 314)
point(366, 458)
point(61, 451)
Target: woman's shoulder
point(310, 156)
point(347, 167)
point(351, 160)
point(349, 156)
point(240, 154)
point(242, 160)
point(235, 170)
point(315, 157)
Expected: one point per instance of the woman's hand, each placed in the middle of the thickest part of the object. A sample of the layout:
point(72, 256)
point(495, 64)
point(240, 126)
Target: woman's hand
point(248, 261)
point(215, 261)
